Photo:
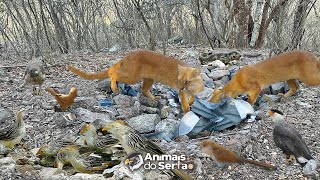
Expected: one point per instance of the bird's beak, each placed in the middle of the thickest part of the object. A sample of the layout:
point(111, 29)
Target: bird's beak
point(127, 161)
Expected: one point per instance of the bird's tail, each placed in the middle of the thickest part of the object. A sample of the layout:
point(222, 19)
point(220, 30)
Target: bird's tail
point(262, 164)
point(182, 175)
point(90, 76)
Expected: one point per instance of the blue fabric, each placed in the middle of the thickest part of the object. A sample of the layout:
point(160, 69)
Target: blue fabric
point(126, 89)
point(216, 116)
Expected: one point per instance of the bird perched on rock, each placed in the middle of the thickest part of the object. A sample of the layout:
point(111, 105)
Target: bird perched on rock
point(82, 162)
point(34, 74)
point(12, 134)
point(93, 140)
point(64, 100)
point(133, 142)
point(288, 139)
point(223, 156)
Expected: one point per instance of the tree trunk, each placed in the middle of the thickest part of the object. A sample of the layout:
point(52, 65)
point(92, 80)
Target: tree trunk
point(265, 22)
point(257, 22)
point(152, 41)
point(299, 20)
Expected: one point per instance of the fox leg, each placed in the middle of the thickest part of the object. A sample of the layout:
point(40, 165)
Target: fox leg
point(292, 83)
point(191, 99)
point(183, 95)
point(253, 94)
point(146, 86)
point(215, 96)
point(114, 86)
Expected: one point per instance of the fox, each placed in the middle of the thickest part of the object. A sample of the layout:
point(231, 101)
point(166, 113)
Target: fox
point(289, 66)
point(149, 67)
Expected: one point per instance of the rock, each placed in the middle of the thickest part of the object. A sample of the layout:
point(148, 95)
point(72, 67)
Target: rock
point(88, 116)
point(165, 112)
point(147, 101)
point(82, 176)
point(115, 48)
point(4, 150)
point(27, 169)
point(204, 69)
point(7, 166)
point(278, 88)
point(53, 174)
point(218, 74)
point(144, 123)
point(233, 70)
point(304, 104)
point(205, 94)
point(310, 168)
point(216, 64)
point(121, 171)
point(105, 85)
point(168, 126)
point(208, 81)
point(123, 100)
point(149, 110)
point(127, 112)
point(156, 175)
point(221, 82)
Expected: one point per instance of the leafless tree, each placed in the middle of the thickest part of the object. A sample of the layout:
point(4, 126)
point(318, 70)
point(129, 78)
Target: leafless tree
point(35, 27)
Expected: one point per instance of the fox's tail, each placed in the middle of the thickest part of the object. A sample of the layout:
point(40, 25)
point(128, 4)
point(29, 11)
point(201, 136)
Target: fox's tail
point(262, 164)
point(89, 76)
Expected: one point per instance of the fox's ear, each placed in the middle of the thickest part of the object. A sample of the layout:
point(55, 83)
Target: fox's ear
point(181, 71)
point(197, 71)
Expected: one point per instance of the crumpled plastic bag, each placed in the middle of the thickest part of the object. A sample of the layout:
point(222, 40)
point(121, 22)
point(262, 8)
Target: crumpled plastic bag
point(209, 116)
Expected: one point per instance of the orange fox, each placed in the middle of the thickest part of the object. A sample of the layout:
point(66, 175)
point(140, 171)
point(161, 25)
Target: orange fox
point(289, 66)
point(150, 67)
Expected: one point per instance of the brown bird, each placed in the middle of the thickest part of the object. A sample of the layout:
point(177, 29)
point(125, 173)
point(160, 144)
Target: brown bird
point(133, 142)
point(288, 139)
point(34, 74)
point(64, 100)
point(223, 156)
